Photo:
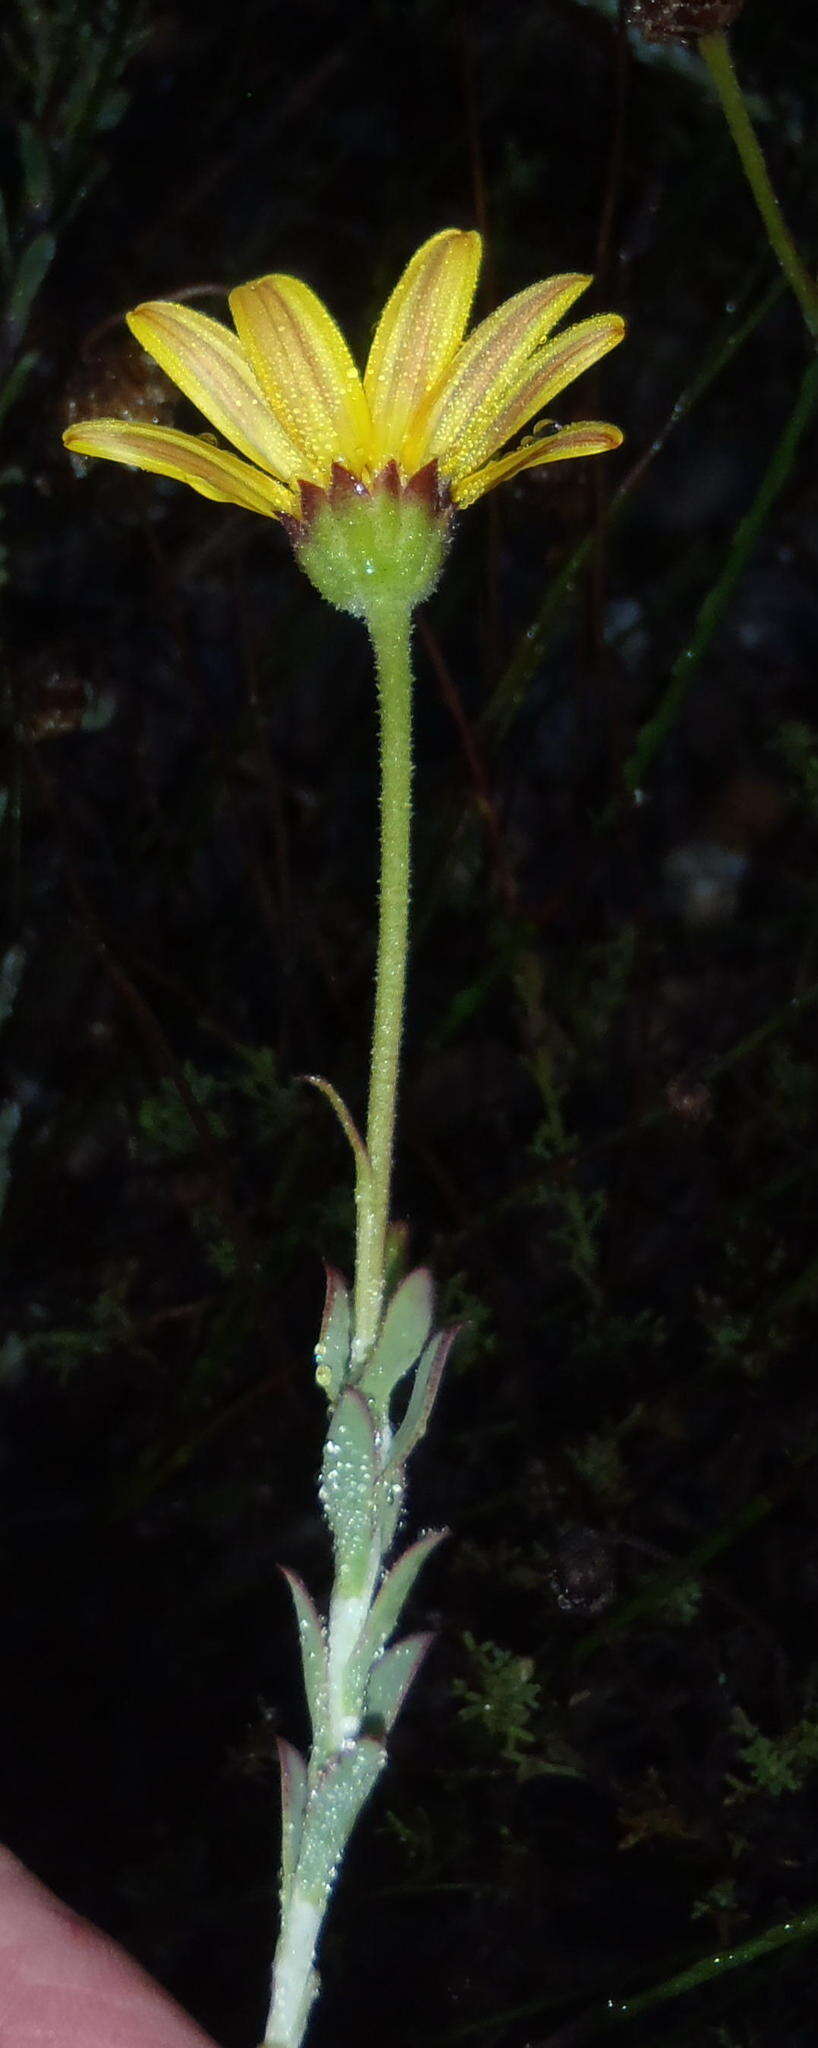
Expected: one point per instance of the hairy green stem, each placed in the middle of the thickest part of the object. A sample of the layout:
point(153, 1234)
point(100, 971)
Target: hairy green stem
point(390, 632)
point(715, 50)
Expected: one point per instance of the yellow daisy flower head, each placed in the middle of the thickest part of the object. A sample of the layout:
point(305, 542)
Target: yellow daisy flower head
point(366, 471)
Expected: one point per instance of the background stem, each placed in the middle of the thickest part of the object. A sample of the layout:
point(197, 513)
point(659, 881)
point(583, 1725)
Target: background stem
point(715, 50)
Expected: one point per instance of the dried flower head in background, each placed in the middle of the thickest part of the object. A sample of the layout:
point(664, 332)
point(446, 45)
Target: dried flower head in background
point(114, 375)
point(673, 21)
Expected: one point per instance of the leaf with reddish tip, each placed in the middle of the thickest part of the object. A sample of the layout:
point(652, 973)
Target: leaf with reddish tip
point(335, 1337)
point(391, 1678)
point(406, 1328)
point(293, 1773)
point(363, 1165)
point(395, 1257)
point(313, 1656)
point(387, 1608)
point(335, 1802)
point(424, 1394)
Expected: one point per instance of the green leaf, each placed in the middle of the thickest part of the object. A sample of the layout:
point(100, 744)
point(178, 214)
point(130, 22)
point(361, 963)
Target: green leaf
point(424, 1394)
point(10, 1117)
point(333, 1808)
point(392, 1676)
point(363, 1163)
point(31, 270)
point(313, 1656)
point(348, 1489)
point(78, 101)
point(386, 1609)
point(293, 1772)
point(12, 966)
point(5, 239)
point(395, 1257)
point(10, 391)
point(406, 1329)
point(36, 168)
point(92, 176)
point(335, 1337)
point(391, 1490)
point(111, 111)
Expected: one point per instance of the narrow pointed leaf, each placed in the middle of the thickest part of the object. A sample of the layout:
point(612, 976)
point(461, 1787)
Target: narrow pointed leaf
point(391, 1678)
point(10, 391)
point(313, 1655)
point(36, 169)
point(335, 1337)
point(293, 1773)
point(406, 1328)
point(111, 111)
point(424, 1394)
point(5, 239)
point(332, 1810)
point(391, 1490)
point(363, 1166)
point(348, 1489)
point(31, 270)
point(386, 1609)
point(395, 1257)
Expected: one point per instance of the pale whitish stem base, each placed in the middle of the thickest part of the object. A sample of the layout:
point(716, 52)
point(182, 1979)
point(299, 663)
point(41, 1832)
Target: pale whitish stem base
point(347, 1617)
point(295, 1979)
point(295, 1983)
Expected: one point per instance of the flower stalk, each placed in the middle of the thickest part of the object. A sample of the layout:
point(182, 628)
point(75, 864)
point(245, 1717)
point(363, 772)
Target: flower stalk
point(390, 630)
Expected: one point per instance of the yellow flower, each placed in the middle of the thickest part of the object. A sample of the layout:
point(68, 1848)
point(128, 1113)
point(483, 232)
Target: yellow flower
point(429, 419)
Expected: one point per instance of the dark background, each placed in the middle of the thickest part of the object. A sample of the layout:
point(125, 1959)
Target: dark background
point(608, 1127)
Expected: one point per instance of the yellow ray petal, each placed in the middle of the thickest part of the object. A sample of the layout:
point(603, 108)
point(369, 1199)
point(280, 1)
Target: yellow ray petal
point(476, 383)
point(419, 329)
point(306, 372)
point(586, 437)
point(539, 380)
point(210, 367)
point(211, 471)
